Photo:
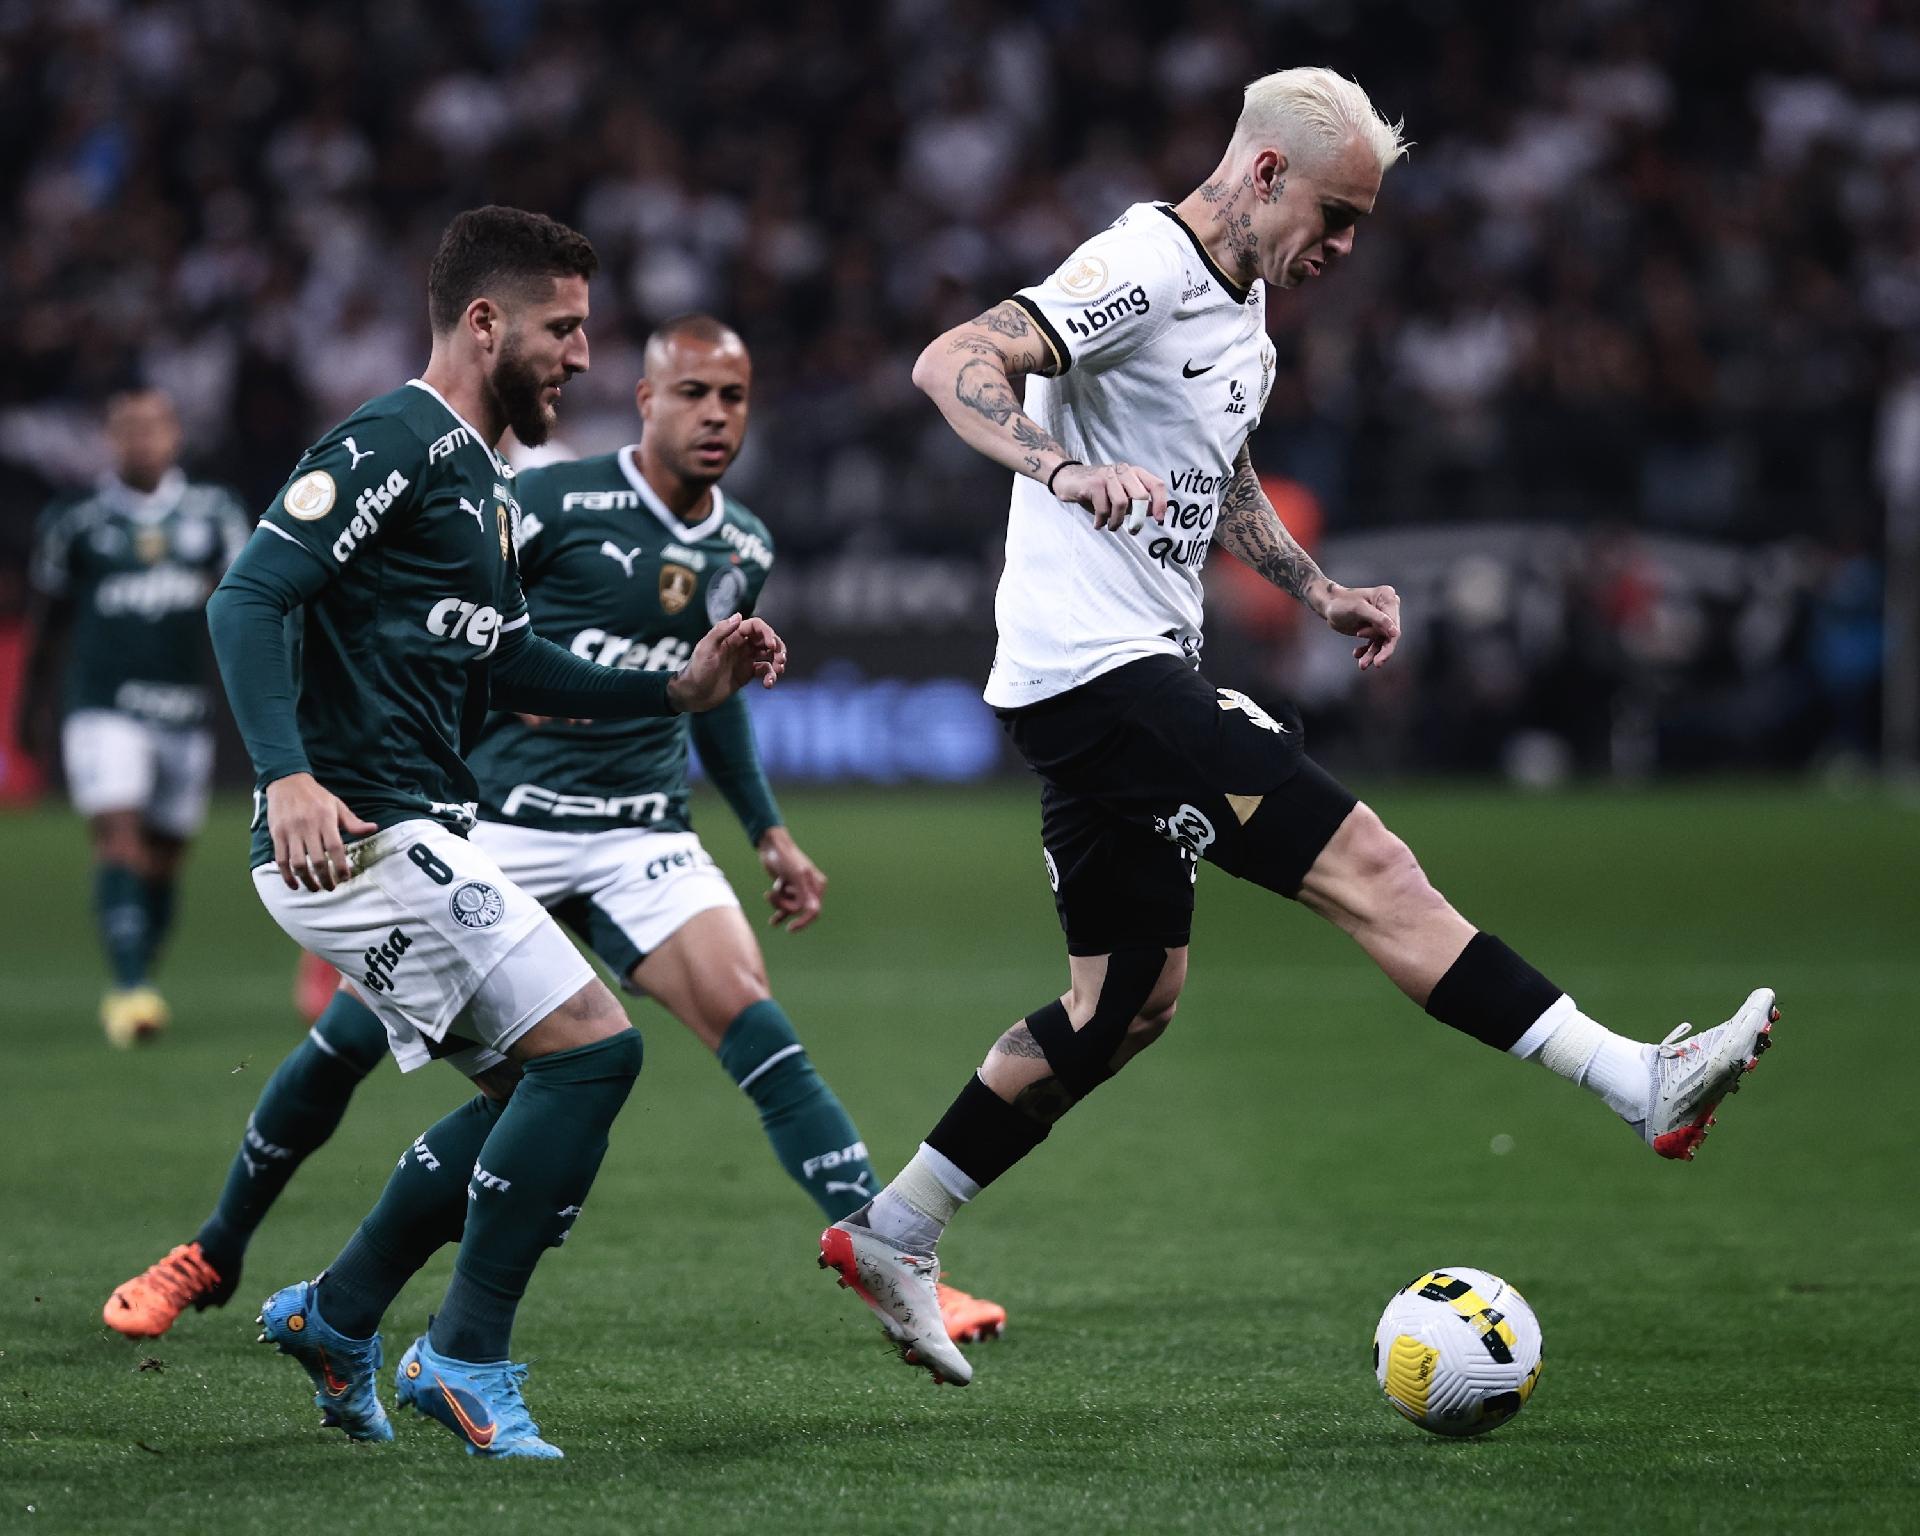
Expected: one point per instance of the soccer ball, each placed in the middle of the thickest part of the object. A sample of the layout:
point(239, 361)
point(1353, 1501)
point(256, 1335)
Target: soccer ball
point(1458, 1351)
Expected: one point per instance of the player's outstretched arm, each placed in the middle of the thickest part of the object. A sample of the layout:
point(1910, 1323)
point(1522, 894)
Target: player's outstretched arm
point(968, 372)
point(1251, 531)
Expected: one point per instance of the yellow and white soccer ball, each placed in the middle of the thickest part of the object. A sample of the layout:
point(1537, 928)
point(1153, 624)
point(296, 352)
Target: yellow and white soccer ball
point(1458, 1351)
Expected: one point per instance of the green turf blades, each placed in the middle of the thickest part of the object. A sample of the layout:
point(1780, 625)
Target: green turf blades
point(1730, 1343)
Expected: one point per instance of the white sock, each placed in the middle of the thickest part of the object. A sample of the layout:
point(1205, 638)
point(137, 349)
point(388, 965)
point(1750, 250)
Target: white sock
point(915, 1208)
point(1582, 1051)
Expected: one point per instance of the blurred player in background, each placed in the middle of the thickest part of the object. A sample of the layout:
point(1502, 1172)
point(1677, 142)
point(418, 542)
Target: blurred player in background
point(625, 558)
point(1148, 365)
point(120, 578)
point(394, 542)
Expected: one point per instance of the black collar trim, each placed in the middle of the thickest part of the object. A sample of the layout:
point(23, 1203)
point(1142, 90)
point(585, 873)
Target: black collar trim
point(1238, 294)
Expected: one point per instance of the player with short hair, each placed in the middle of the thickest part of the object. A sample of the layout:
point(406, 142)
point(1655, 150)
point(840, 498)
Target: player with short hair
point(1147, 367)
point(119, 577)
point(395, 541)
point(626, 558)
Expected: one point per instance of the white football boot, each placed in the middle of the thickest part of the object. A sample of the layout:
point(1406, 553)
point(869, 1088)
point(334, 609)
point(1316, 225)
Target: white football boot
point(903, 1289)
point(1689, 1077)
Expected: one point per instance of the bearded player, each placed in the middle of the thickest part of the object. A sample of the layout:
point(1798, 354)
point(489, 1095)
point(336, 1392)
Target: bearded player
point(1147, 366)
point(394, 540)
point(120, 579)
point(625, 559)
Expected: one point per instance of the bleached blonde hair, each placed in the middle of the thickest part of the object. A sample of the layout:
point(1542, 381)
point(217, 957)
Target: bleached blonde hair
point(1309, 113)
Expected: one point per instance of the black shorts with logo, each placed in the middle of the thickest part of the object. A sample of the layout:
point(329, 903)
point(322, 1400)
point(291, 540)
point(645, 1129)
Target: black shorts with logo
point(1149, 768)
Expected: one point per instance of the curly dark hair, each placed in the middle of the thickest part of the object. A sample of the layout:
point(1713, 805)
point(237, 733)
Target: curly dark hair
point(502, 250)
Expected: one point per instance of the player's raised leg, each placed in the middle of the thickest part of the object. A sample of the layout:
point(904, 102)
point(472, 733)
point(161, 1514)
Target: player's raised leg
point(298, 1110)
point(1369, 884)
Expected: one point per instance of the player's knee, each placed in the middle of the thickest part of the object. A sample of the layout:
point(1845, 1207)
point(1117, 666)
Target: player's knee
point(1383, 881)
point(1083, 1057)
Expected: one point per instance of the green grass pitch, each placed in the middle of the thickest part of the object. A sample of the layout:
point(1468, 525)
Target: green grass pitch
point(1194, 1263)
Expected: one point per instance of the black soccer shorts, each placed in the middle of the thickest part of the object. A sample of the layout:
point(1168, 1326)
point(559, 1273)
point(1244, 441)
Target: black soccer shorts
point(1146, 770)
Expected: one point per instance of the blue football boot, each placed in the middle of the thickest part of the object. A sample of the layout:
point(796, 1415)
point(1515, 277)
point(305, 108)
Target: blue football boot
point(343, 1370)
point(480, 1403)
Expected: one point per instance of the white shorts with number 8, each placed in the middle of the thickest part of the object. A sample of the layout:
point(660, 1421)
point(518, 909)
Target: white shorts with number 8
point(457, 960)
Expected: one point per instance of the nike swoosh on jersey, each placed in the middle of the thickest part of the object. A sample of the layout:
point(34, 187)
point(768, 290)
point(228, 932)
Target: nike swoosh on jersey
point(1188, 371)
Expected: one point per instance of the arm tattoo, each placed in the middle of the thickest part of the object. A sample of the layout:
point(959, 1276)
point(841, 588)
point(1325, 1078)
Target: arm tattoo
point(983, 388)
point(1019, 1041)
point(1252, 531)
point(1006, 319)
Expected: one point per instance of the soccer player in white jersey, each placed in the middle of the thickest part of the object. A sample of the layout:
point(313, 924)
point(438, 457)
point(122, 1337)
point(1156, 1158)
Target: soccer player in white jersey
point(1147, 366)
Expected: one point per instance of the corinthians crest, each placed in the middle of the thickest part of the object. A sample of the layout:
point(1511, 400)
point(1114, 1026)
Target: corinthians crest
point(676, 587)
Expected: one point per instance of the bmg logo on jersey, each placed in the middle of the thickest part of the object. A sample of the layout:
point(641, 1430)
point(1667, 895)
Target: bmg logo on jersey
point(477, 624)
point(1097, 316)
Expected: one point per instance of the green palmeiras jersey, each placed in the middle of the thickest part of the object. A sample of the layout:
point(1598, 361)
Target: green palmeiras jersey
point(612, 574)
point(138, 567)
point(412, 516)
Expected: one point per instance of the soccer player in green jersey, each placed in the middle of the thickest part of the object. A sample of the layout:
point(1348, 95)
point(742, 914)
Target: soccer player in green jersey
point(119, 579)
point(395, 540)
point(626, 558)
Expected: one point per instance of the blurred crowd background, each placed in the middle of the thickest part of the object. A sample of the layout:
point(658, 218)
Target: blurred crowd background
point(1622, 385)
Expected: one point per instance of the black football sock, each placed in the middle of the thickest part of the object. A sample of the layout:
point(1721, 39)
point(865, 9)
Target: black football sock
point(1489, 992)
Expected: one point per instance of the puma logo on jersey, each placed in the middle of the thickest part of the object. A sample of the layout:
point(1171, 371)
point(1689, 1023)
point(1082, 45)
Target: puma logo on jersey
point(353, 448)
point(477, 512)
point(625, 558)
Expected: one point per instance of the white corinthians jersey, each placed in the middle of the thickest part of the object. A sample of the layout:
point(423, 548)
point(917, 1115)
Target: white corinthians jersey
point(1164, 363)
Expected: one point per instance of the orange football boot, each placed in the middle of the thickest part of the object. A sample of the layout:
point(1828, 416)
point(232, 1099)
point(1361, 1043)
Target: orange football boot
point(968, 1318)
point(145, 1306)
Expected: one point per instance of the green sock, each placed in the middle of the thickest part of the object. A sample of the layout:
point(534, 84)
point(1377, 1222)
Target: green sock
point(529, 1183)
point(811, 1133)
point(298, 1110)
point(159, 895)
point(423, 1207)
point(120, 909)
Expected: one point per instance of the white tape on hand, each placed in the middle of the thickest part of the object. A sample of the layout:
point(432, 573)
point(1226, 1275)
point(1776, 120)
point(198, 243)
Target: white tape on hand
point(1137, 514)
